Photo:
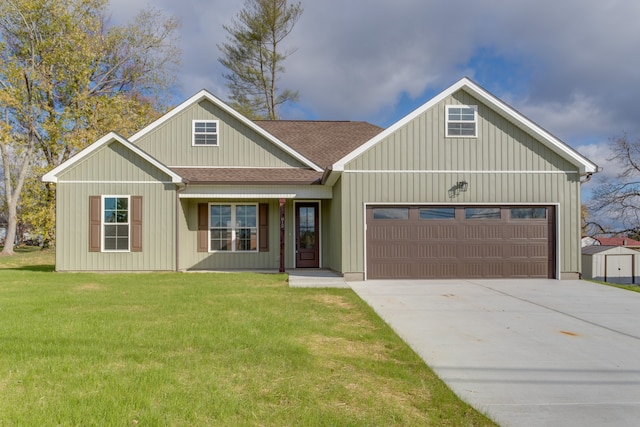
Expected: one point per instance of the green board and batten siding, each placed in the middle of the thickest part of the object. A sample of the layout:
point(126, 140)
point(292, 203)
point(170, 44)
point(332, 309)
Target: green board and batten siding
point(114, 170)
point(503, 165)
point(238, 145)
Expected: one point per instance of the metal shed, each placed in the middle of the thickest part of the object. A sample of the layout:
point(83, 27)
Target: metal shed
point(614, 264)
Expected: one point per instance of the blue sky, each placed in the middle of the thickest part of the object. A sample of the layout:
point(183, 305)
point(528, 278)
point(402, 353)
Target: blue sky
point(571, 65)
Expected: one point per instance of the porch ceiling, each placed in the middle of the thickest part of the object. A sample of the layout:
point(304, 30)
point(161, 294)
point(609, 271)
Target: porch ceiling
point(243, 191)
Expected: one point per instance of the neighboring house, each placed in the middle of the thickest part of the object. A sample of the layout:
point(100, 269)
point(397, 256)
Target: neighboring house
point(610, 241)
point(464, 186)
point(3, 228)
point(614, 264)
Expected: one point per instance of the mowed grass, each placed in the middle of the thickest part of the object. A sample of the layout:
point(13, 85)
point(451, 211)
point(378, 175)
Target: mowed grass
point(203, 349)
point(633, 288)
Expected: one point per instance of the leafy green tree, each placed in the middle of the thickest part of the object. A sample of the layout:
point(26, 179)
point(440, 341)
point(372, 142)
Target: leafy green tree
point(67, 78)
point(254, 56)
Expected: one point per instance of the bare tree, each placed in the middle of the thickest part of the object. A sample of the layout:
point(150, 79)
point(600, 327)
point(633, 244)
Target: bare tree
point(615, 203)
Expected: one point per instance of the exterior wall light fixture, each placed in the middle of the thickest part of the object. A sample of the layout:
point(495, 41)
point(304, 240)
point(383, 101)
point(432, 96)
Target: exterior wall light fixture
point(458, 187)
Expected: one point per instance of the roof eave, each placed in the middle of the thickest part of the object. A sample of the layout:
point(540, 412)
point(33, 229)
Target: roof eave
point(330, 176)
point(211, 182)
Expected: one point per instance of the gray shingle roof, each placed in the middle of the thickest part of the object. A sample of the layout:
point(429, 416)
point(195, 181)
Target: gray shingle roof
point(263, 176)
point(322, 142)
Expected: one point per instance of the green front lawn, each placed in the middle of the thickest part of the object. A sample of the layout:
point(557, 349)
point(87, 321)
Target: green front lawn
point(203, 349)
point(633, 288)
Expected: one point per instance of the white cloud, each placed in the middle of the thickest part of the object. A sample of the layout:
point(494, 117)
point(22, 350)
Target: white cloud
point(577, 73)
point(580, 116)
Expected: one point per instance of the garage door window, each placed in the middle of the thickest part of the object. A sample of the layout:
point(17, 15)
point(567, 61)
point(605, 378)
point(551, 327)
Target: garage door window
point(437, 213)
point(482, 213)
point(391, 213)
point(528, 213)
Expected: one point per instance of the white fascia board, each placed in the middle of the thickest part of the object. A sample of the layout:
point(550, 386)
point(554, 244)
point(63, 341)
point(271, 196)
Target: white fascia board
point(52, 176)
point(257, 192)
point(575, 158)
point(584, 165)
point(204, 94)
point(339, 165)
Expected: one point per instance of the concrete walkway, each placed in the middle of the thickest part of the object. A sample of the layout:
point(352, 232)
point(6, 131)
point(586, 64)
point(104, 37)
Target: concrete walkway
point(525, 352)
point(314, 278)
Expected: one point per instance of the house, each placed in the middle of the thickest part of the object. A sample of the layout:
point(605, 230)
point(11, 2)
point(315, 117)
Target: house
point(464, 186)
point(610, 241)
point(3, 228)
point(614, 264)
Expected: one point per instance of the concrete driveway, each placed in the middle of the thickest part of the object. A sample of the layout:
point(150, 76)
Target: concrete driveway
point(524, 352)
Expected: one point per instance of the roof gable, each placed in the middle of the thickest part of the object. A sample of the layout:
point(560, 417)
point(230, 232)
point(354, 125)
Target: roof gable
point(583, 164)
point(205, 95)
point(52, 176)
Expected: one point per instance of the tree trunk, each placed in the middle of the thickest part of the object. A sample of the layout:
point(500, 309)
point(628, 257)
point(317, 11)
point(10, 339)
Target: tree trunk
point(12, 226)
point(12, 193)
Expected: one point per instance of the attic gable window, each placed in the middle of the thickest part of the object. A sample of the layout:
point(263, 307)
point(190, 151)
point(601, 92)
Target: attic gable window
point(462, 121)
point(205, 133)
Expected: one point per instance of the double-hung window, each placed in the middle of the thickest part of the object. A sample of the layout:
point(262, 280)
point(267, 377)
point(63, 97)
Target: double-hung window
point(115, 223)
point(233, 227)
point(462, 121)
point(205, 133)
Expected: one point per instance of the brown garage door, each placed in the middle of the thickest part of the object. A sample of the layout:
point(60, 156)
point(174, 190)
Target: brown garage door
point(460, 242)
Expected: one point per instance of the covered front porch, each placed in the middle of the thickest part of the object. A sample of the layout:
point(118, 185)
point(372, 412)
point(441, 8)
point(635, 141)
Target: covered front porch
point(237, 227)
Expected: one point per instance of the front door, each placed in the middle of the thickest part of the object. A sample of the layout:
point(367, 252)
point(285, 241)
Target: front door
point(307, 236)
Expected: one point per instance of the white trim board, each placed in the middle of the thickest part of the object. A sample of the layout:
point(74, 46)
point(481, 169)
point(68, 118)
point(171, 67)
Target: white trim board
point(459, 171)
point(52, 175)
point(114, 182)
point(262, 192)
point(237, 196)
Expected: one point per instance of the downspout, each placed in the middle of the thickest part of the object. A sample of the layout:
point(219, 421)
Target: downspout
point(180, 189)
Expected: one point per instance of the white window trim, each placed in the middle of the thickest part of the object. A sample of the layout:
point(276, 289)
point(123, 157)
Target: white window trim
point(193, 133)
point(447, 121)
point(233, 228)
point(102, 223)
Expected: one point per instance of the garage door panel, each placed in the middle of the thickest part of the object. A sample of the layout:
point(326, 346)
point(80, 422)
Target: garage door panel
point(394, 270)
point(387, 232)
point(483, 269)
point(442, 270)
point(439, 251)
point(477, 250)
point(425, 246)
point(434, 232)
point(520, 251)
point(392, 250)
point(539, 251)
point(482, 232)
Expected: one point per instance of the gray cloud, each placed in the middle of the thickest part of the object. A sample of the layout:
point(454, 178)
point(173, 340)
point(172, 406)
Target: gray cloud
point(571, 65)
